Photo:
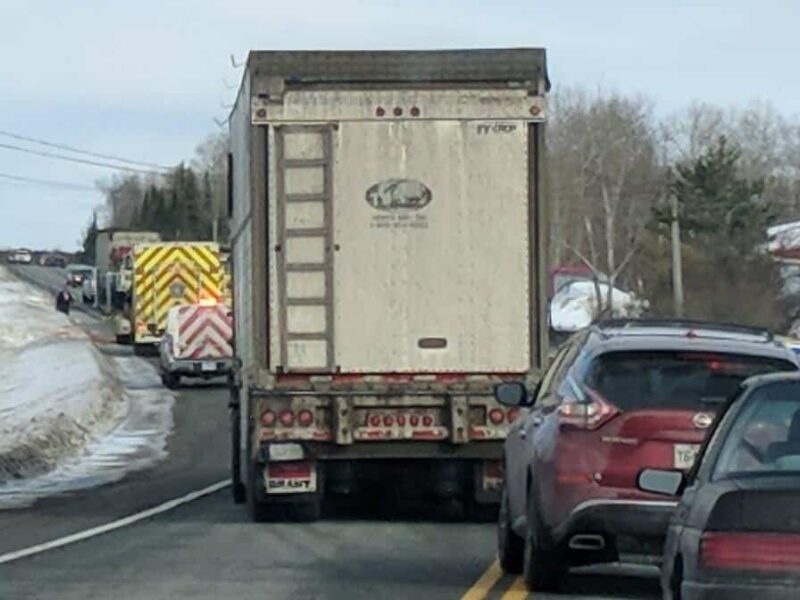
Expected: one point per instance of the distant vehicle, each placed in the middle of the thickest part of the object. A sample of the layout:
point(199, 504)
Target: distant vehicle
point(122, 329)
point(736, 533)
point(77, 273)
point(619, 397)
point(89, 287)
point(53, 260)
point(198, 342)
point(20, 257)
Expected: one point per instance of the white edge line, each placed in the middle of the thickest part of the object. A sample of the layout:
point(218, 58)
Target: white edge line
point(118, 524)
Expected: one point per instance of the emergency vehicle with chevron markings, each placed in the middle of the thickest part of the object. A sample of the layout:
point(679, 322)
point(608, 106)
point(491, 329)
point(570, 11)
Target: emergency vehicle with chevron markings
point(198, 342)
point(166, 275)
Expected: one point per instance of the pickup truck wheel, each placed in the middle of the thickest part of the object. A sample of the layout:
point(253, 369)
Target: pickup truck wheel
point(237, 488)
point(510, 546)
point(544, 565)
point(171, 380)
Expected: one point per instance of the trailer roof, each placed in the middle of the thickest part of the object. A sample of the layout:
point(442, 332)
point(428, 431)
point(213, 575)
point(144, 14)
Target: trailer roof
point(404, 66)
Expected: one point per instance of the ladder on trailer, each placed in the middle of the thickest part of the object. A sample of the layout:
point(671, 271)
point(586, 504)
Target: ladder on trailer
point(304, 250)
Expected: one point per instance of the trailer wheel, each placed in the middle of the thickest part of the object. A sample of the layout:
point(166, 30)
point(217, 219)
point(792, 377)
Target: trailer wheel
point(237, 488)
point(258, 510)
point(306, 511)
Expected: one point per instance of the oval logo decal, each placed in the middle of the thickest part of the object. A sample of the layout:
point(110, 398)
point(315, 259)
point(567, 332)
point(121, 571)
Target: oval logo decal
point(399, 194)
point(702, 420)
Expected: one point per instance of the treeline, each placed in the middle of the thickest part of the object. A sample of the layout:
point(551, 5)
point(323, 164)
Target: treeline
point(187, 202)
point(615, 168)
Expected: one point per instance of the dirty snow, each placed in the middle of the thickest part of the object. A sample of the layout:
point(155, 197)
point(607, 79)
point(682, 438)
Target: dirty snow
point(70, 416)
point(575, 305)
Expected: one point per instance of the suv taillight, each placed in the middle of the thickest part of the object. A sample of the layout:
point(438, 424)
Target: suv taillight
point(745, 551)
point(591, 413)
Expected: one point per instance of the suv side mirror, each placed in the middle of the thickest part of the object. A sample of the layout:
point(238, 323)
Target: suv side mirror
point(661, 481)
point(511, 394)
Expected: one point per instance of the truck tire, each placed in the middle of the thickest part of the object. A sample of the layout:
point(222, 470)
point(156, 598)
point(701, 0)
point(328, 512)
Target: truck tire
point(237, 488)
point(123, 339)
point(307, 511)
point(510, 546)
point(258, 510)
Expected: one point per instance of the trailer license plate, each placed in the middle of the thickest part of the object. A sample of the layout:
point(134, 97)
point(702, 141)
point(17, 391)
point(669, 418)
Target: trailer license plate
point(685, 455)
point(290, 478)
point(208, 366)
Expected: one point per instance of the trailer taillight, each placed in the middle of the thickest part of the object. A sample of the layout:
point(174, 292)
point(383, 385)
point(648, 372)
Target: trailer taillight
point(286, 417)
point(497, 416)
point(512, 415)
point(305, 417)
point(268, 418)
point(413, 420)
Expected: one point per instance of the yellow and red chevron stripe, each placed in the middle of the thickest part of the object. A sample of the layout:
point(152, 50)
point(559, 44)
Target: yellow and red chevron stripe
point(205, 332)
point(171, 274)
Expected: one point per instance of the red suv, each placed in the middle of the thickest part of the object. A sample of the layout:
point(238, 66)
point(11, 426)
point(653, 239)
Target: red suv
point(617, 398)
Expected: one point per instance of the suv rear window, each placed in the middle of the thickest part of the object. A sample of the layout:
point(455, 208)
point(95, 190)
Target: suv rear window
point(641, 380)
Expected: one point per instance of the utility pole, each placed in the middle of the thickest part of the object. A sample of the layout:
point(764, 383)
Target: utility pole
point(677, 262)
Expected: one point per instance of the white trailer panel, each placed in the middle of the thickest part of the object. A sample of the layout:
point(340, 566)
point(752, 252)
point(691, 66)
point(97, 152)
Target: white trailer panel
point(439, 287)
point(402, 244)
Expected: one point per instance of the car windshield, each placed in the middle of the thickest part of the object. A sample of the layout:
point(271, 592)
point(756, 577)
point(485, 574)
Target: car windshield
point(632, 380)
point(766, 435)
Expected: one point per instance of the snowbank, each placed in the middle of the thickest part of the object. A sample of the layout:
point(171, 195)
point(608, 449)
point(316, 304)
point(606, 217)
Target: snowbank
point(70, 416)
point(575, 305)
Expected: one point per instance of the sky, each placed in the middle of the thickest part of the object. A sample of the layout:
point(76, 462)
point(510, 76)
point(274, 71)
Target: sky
point(145, 80)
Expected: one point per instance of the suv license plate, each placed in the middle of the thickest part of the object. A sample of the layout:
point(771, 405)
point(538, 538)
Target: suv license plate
point(208, 366)
point(685, 455)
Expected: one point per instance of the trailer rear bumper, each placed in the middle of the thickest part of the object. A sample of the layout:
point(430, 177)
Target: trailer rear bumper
point(473, 471)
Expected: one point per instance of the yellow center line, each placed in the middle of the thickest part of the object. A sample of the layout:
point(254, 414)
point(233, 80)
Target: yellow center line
point(481, 588)
point(517, 590)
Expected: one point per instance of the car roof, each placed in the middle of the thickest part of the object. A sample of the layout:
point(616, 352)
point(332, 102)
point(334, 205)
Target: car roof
point(686, 335)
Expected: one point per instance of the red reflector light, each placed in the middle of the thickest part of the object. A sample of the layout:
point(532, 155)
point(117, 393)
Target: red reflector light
point(770, 552)
point(497, 416)
point(513, 414)
point(414, 111)
point(401, 420)
point(286, 418)
point(379, 112)
point(305, 417)
point(413, 420)
point(375, 421)
point(268, 418)
point(427, 420)
point(388, 420)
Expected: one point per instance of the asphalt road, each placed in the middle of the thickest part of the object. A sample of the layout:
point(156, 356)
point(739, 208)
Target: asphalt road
point(208, 549)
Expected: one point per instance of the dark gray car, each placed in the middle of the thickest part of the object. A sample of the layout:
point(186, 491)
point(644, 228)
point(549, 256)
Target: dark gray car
point(736, 531)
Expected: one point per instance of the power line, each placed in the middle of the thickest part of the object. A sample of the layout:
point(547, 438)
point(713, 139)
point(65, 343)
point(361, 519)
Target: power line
point(84, 161)
point(47, 182)
point(129, 161)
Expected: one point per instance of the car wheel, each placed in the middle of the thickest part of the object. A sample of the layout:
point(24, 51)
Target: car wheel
point(676, 580)
point(544, 565)
point(237, 488)
point(171, 380)
point(510, 546)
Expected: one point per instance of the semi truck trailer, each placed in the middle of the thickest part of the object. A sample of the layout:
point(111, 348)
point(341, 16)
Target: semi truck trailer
point(389, 238)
